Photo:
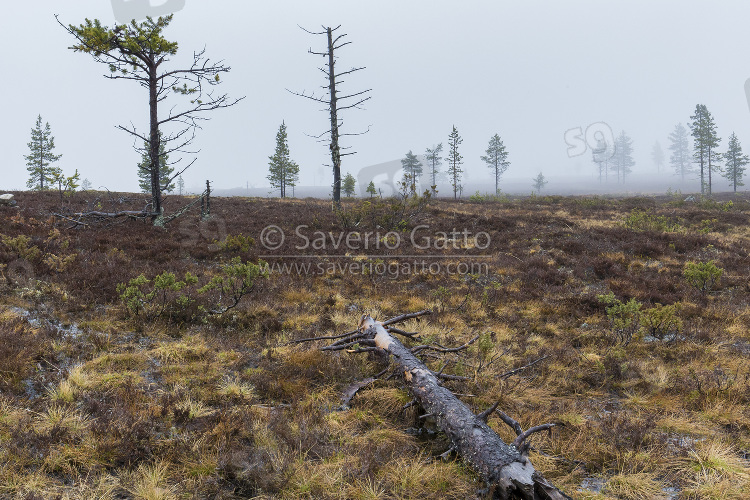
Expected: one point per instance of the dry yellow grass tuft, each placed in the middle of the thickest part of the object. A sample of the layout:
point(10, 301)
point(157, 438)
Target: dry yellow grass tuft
point(636, 486)
point(151, 482)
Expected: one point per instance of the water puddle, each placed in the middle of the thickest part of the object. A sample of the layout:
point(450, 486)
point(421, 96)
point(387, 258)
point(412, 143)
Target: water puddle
point(592, 484)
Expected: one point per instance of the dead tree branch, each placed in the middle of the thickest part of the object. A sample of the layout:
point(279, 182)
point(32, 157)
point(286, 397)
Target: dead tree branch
point(518, 370)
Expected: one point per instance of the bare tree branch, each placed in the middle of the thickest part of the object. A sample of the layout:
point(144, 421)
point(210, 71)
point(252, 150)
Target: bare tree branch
point(517, 370)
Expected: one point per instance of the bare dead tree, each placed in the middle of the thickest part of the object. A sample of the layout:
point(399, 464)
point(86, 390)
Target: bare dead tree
point(334, 101)
point(137, 52)
point(504, 467)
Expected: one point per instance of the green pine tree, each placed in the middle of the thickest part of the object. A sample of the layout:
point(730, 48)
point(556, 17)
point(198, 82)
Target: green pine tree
point(282, 171)
point(349, 185)
point(165, 170)
point(292, 176)
point(680, 157)
point(734, 168)
point(41, 157)
point(657, 155)
point(432, 156)
point(371, 189)
point(139, 52)
point(455, 160)
point(180, 184)
point(539, 182)
point(622, 161)
point(65, 185)
point(496, 159)
point(705, 145)
point(412, 169)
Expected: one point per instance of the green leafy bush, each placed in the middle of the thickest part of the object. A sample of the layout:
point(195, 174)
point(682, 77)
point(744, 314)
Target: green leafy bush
point(703, 276)
point(236, 280)
point(707, 225)
point(624, 317)
point(396, 213)
point(662, 321)
point(639, 220)
point(478, 197)
point(21, 245)
point(710, 204)
point(163, 296)
point(235, 243)
point(166, 297)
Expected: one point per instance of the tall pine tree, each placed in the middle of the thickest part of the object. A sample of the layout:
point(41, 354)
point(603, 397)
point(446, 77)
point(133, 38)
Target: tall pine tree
point(282, 171)
point(680, 151)
point(622, 161)
point(705, 145)
point(602, 154)
point(41, 157)
point(496, 159)
point(455, 160)
point(165, 169)
point(734, 167)
point(657, 155)
point(432, 156)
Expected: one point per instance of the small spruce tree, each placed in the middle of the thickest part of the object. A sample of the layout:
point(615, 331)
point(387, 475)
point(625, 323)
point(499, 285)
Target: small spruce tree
point(165, 169)
point(282, 171)
point(371, 189)
point(349, 185)
point(412, 169)
point(734, 168)
point(539, 182)
point(41, 157)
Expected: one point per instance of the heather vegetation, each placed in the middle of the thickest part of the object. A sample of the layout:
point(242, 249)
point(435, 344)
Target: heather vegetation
point(147, 362)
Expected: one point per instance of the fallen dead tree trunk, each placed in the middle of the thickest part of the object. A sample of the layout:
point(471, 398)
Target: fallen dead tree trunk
point(90, 218)
point(504, 467)
point(95, 217)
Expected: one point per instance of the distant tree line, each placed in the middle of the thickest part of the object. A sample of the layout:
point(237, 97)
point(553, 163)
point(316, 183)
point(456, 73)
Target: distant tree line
point(138, 51)
point(495, 158)
point(703, 162)
point(706, 158)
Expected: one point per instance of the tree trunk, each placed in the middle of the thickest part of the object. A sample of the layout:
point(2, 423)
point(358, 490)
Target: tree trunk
point(335, 150)
point(41, 164)
point(509, 474)
point(710, 168)
point(153, 104)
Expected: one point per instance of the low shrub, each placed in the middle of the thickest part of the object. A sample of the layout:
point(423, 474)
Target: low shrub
point(662, 321)
point(703, 276)
point(639, 220)
point(165, 296)
point(624, 317)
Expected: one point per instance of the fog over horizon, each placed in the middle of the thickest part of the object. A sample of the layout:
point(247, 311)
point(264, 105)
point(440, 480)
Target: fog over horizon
point(527, 71)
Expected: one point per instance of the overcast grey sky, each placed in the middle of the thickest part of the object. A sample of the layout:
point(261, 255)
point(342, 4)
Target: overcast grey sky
point(526, 70)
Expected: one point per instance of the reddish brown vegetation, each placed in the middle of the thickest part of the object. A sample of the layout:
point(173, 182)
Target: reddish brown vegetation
point(161, 391)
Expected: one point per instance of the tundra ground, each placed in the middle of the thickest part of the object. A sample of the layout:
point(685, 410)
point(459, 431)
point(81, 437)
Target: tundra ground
point(639, 304)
